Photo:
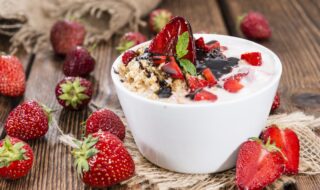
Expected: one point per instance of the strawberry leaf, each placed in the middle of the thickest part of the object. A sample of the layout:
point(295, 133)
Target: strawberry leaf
point(182, 45)
point(188, 66)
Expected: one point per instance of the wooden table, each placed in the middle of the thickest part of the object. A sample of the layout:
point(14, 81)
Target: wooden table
point(296, 39)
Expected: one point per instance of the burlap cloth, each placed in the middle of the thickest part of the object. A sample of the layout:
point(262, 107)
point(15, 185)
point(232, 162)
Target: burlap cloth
point(149, 176)
point(28, 22)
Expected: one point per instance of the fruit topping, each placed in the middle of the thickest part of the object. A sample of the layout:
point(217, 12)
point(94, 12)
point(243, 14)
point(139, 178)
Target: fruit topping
point(208, 75)
point(255, 26)
point(158, 19)
point(232, 85)
point(172, 68)
point(288, 142)
point(196, 83)
point(129, 40)
point(214, 44)
point(204, 95)
point(128, 56)
point(253, 58)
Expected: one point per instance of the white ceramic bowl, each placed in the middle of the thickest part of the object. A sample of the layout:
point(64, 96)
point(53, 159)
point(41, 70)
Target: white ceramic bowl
point(197, 138)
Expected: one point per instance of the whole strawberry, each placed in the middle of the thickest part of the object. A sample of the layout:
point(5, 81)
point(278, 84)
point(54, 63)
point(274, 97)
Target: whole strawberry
point(16, 158)
point(129, 40)
point(105, 120)
point(66, 35)
point(74, 92)
point(29, 120)
point(288, 142)
point(158, 19)
point(276, 103)
point(255, 26)
point(102, 161)
point(12, 76)
point(78, 62)
point(258, 165)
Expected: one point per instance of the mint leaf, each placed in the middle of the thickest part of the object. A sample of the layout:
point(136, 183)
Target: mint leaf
point(188, 66)
point(182, 45)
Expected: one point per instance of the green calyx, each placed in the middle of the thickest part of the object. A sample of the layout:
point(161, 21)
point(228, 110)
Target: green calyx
point(84, 151)
point(270, 147)
point(48, 112)
point(73, 93)
point(10, 153)
point(125, 45)
point(161, 20)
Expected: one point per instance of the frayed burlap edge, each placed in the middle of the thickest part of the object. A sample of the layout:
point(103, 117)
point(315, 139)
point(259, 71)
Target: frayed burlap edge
point(149, 176)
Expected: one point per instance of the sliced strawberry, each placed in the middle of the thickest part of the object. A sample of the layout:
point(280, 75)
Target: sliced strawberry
point(253, 58)
point(165, 41)
point(288, 142)
point(213, 45)
point(205, 95)
point(208, 75)
point(195, 83)
point(200, 44)
point(258, 165)
point(172, 68)
point(232, 85)
point(128, 56)
point(158, 59)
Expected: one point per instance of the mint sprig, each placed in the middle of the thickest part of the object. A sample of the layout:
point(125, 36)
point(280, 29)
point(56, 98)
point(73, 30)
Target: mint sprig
point(182, 50)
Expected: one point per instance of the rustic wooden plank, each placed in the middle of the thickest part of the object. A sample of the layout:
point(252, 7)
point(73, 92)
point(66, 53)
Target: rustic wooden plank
point(295, 39)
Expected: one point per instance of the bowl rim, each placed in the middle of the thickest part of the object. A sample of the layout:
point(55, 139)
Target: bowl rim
point(275, 79)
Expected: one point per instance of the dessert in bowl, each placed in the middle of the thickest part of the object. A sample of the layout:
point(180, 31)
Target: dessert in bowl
point(191, 100)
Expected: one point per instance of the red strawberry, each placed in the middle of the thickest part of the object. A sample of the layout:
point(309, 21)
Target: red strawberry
point(195, 83)
point(276, 103)
point(258, 165)
point(208, 75)
point(205, 95)
point(213, 45)
point(102, 160)
point(129, 40)
point(66, 35)
point(255, 26)
point(173, 69)
point(29, 120)
point(158, 19)
point(200, 44)
point(78, 62)
point(288, 142)
point(159, 59)
point(128, 56)
point(105, 120)
point(12, 77)
point(16, 158)
point(74, 92)
point(232, 85)
point(253, 58)
point(166, 40)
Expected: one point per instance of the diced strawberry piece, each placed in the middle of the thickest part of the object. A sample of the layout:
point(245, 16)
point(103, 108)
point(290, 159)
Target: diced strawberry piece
point(173, 69)
point(208, 75)
point(128, 56)
point(165, 41)
point(232, 85)
point(200, 44)
point(159, 59)
point(195, 83)
point(213, 45)
point(253, 58)
point(275, 103)
point(205, 95)
point(288, 142)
